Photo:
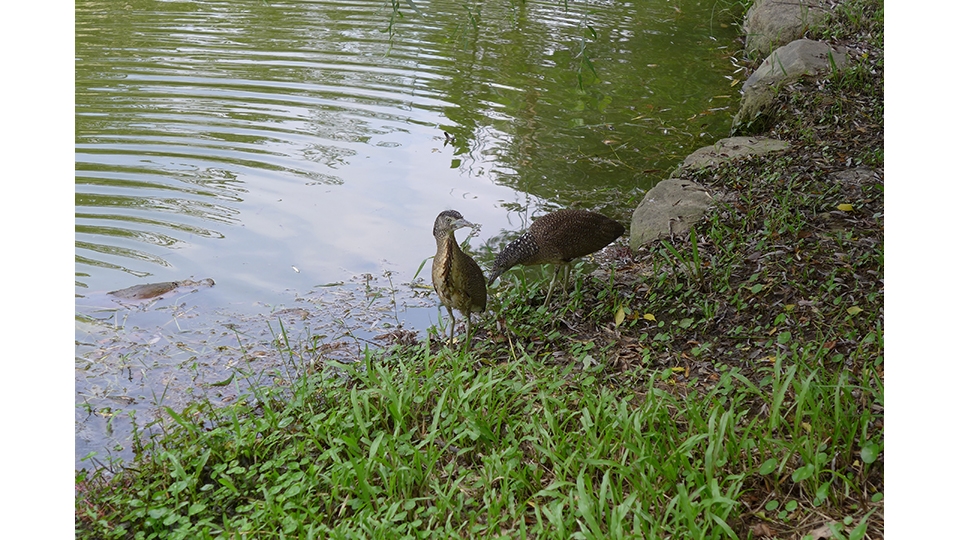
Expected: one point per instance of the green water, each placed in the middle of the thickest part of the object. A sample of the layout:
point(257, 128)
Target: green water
point(188, 114)
point(280, 147)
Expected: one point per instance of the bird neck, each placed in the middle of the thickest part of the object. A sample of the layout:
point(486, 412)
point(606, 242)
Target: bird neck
point(447, 242)
point(524, 247)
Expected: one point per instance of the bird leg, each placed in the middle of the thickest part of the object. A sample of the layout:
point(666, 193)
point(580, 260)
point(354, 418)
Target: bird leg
point(453, 324)
point(552, 283)
point(566, 275)
point(468, 331)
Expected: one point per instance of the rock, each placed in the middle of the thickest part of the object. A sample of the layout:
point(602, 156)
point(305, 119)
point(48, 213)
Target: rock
point(670, 208)
point(853, 180)
point(730, 148)
point(856, 177)
point(786, 64)
point(772, 23)
point(794, 60)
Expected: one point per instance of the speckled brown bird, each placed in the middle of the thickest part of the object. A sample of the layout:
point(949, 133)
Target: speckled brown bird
point(558, 238)
point(457, 278)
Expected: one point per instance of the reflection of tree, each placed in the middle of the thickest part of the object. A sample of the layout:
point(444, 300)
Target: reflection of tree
point(178, 104)
point(519, 110)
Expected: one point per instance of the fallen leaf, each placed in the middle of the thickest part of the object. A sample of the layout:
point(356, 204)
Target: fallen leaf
point(761, 530)
point(845, 207)
point(822, 532)
point(618, 318)
point(853, 310)
point(649, 317)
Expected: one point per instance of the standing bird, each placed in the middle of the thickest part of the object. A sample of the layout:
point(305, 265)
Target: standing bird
point(558, 238)
point(457, 278)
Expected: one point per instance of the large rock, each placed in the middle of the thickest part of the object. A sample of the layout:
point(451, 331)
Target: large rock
point(794, 60)
point(670, 208)
point(786, 64)
point(730, 148)
point(772, 23)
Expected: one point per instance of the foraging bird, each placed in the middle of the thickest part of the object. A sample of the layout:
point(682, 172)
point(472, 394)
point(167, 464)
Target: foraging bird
point(558, 238)
point(457, 278)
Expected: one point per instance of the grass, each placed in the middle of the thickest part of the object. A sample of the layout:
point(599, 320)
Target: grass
point(727, 383)
point(425, 444)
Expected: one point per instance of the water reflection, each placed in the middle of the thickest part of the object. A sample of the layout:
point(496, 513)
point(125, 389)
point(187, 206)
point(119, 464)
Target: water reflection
point(276, 147)
point(171, 97)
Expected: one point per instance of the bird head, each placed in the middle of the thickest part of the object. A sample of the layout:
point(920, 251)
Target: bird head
point(449, 221)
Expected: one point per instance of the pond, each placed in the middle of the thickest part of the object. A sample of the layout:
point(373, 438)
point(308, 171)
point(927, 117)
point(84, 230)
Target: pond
point(297, 153)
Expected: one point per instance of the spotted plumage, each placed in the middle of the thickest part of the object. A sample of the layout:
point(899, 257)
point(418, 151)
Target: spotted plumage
point(558, 238)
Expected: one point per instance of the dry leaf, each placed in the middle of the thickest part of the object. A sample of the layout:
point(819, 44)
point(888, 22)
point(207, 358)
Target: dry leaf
point(649, 317)
point(845, 207)
point(761, 530)
point(823, 532)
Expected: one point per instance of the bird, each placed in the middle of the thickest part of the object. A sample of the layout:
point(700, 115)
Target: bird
point(558, 238)
point(457, 278)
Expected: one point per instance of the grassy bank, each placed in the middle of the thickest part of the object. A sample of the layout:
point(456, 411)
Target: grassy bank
point(726, 384)
point(425, 442)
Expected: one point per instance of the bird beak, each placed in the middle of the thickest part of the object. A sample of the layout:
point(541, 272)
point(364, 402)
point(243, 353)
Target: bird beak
point(460, 223)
